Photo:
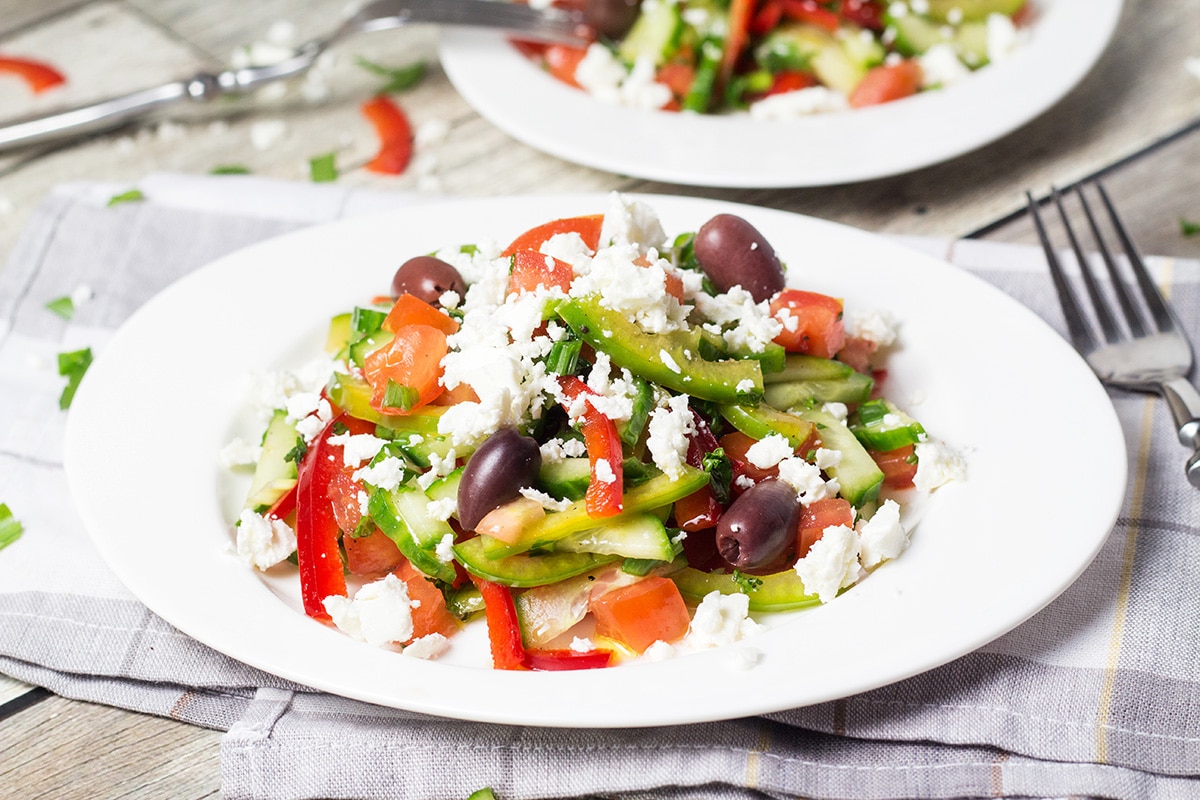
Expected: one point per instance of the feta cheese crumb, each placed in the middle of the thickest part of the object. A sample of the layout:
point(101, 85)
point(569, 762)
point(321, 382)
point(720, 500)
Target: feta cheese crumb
point(721, 619)
point(357, 448)
point(659, 651)
point(442, 509)
point(379, 614)
point(262, 543)
point(267, 133)
point(388, 474)
point(937, 465)
point(582, 645)
point(941, 66)
point(875, 325)
point(769, 451)
point(669, 362)
point(831, 563)
point(240, 453)
point(445, 549)
point(669, 428)
point(799, 103)
point(547, 502)
point(428, 647)
point(882, 536)
point(838, 411)
point(604, 471)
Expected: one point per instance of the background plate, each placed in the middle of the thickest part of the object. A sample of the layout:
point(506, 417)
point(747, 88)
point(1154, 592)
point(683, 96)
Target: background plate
point(143, 470)
point(735, 151)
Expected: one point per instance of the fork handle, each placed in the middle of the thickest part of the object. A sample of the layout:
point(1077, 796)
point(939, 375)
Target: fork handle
point(1184, 402)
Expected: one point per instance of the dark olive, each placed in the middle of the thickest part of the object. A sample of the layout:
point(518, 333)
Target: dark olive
point(758, 532)
point(611, 18)
point(427, 278)
point(732, 252)
point(504, 464)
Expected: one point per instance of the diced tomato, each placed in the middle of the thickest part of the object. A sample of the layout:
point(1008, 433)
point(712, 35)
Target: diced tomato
point(371, 556)
point(412, 361)
point(588, 228)
point(791, 81)
point(547, 660)
point(642, 613)
point(886, 83)
point(815, 326)
point(767, 17)
point(38, 75)
point(856, 353)
point(530, 49)
point(431, 616)
point(343, 496)
point(412, 310)
point(899, 466)
point(462, 393)
point(864, 13)
point(562, 61)
point(509, 521)
point(673, 284)
point(676, 76)
point(531, 269)
point(697, 511)
point(811, 12)
point(735, 444)
point(819, 515)
point(394, 132)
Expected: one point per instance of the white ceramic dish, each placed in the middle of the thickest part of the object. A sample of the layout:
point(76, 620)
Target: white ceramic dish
point(167, 394)
point(736, 151)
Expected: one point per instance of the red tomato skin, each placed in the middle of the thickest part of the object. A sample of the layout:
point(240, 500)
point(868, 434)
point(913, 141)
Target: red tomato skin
point(562, 60)
point(371, 556)
point(819, 515)
point(815, 326)
point(899, 466)
point(531, 269)
point(588, 228)
point(735, 444)
point(886, 83)
point(642, 613)
point(412, 358)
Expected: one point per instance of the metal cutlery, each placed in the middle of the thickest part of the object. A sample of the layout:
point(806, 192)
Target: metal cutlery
point(542, 25)
point(1142, 347)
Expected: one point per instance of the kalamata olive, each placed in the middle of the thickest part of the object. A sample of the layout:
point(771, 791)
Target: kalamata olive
point(731, 251)
point(427, 278)
point(504, 464)
point(611, 18)
point(759, 529)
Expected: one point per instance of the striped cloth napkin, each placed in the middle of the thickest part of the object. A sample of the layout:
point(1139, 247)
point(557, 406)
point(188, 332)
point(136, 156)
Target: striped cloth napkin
point(1097, 695)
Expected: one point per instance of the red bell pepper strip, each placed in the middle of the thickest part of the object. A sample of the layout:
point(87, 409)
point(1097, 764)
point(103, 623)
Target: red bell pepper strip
point(317, 553)
point(395, 135)
point(283, 506)
point(38, 75)
point(740, 14)
point(811, 12)
point(606, 489)
point(504, 629)
point(554, 660)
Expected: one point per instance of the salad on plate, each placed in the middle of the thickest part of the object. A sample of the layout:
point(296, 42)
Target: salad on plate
point(607, 442)
point(780, 58)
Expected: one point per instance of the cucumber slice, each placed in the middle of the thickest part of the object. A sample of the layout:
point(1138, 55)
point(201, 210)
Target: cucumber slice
point(524, 570)
point(655, 34)
point(800, 367)
point(861, 46)
point(880, 426)
point(637, 536)
point(782, 591)
point(854, 388)
point(339, 334)
point(403, 516)
point(274, 474)
point(915, 34)
point(569, 478)
point(857, 473)
point(358, 351)
point(973, 10)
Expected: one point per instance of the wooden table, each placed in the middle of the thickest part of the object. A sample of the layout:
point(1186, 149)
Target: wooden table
point(1135, 119)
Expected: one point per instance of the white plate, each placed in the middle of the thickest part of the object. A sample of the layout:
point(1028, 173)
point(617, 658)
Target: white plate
point(167, 393)
point(735, 151)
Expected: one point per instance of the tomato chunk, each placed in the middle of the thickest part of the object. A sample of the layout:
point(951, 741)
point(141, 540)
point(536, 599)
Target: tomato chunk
point(404, 372)
point(642, 613)
point(412, 310)
point(819, 515)
point(886, 83)
point(531, 269)
point(431, 616)
point(735, 444)
point(588, 228)
point(899, 466)
point(812, 322)
point(561, 60)
point(371, 556)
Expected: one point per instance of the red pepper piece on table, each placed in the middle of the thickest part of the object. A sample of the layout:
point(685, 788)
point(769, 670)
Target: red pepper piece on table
point(317, 554)
point(504, 629)
point(606, 489)
point(395, 135)
point(38, 75)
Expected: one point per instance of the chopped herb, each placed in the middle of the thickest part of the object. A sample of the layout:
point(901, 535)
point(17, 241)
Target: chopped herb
point(296, 454)
point(132, 196)
point(229, 169)
point(746, 583)
point(63, 306)
point(339, 428)
point(323, 168)
point(364, 528)
point(397, 78)
point(563, 356)
point(72, 366)
point(720, 473)
point(397, 396)
point(10, 527)
point(1189, 228)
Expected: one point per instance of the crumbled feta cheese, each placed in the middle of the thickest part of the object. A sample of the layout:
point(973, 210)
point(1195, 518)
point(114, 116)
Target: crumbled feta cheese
point(659, 651)
point(799, 103)
point(311, 418)
point(581, 644)
point(631, 222)
point(357, 448)
point(431, 131)
point(603, 75)
point(753, 325)
point(555, 450)
point(428, 647)
point(831, 563)
point(919, 6)
point(364, 503)
point(882, 536)
point(826, 458)
point(262, 543)
point(547, 502)
point(267, 133)
point(769, 451)
point(603, 471)
point(240, 453)
point(1003, 38)
point(442, 509)
point(875, 325)
point(669, 362)
point(445, 549)
point(937, 465)
point(387, 474)
point(439, 467)
point(806, 479)
point(838, 411)
point(637, 291)
point(669, 428)
point(379, 614)
point(721, 619)
point(941, 66)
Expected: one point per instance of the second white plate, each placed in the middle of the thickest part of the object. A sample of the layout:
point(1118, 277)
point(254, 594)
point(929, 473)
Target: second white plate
point(736, 151)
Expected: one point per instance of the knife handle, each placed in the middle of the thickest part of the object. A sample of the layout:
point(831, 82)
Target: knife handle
point(104, 115)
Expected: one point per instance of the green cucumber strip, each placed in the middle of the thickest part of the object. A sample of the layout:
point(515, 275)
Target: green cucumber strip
point(523, 569)
point(782, 591)
point(338, 338)
point(854, 388)
point(637, 536)
point(274, 474)
point(857, 473)
point(403, 516)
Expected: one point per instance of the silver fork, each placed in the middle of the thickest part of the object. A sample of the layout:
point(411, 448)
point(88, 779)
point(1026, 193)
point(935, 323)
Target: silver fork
point(551, 24)
point(1150, 352)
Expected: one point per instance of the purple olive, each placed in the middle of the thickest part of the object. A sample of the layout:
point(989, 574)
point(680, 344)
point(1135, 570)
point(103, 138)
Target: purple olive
point(757, 534)
point(504, 464)
point(611, 18)
point(732, 252)
point(427, 278)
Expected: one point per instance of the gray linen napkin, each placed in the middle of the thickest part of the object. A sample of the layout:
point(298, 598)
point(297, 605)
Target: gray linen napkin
point(1098, 695)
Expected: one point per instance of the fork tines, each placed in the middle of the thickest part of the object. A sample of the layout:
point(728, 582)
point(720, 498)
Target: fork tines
point(1138, 323)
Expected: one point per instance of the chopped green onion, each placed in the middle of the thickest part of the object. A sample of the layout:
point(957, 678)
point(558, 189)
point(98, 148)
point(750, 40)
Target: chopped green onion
point(10, 527)
point(872, 411)
point(323, 168)
point(720, 473)
point(72, 366)
point(397, 396)
point(1189, 228)
point(296, 454)
point(397, 78)
point(746, 583)
point(229, 169)
point(564, 356)
point(366, 320)
point(132, 196)
point(63, 306)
